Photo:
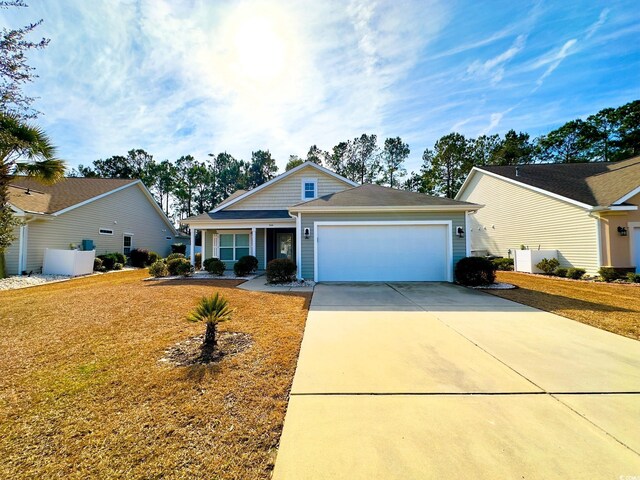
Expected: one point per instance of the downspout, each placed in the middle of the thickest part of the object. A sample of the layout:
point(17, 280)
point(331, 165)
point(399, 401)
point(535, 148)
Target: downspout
point(598, 239)
point(21, 266)
point(298, 244)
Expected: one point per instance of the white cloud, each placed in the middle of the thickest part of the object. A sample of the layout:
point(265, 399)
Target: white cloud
point(602, 18)
point(237, 75)
point(494, 68)
point(554, 59)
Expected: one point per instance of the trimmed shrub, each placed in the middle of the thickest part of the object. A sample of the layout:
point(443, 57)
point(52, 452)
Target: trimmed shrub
point(214, 266)
point(633, 277)
point(475, 271)
point(198, 260)
point(281, 270)
point(153, 258)
point(120, 258)
point(608, 274)
point(561, 272)
point(139, 257)
point(179, 248)
point(173, 256)
point(158, 269)
point(180, 266)
point(576, 273)
point(108, 260)
point(118, 266)
point(245, 265)
point(97, 264)
point(503, 264)
point(548, 265)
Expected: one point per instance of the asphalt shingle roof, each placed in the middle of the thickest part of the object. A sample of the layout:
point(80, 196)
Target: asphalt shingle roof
point(596, 183)
point(243, 215)
point(369, 195)
point(32, 196)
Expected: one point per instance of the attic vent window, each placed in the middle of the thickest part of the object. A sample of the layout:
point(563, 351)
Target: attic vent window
point(309, 188)
point(105, 231)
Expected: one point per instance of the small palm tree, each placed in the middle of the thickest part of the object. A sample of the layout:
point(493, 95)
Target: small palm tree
point(212, 310)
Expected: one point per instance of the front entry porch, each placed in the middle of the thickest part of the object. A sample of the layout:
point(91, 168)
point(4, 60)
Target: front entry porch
point(229, 244)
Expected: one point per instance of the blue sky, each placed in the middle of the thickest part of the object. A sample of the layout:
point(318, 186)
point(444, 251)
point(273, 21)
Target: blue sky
point(193, 77)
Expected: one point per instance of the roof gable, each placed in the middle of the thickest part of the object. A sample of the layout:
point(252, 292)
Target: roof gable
point(308, 168)
point(32, 197)
point(584, 184)
point(29, 195)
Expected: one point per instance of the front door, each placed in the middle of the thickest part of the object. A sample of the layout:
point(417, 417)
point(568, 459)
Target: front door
point(284, 245)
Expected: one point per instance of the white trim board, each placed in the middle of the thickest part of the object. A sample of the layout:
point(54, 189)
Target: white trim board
point(523, 185)
point(447, 223)
point(281, 177)
point(632, 193)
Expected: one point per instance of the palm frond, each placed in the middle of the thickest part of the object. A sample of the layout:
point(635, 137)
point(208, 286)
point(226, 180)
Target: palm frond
point(45, 171)
point(213, 309)
point(20, 140)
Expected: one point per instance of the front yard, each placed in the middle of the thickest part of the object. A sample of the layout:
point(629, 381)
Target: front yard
point(612, 307)
point(83, 394)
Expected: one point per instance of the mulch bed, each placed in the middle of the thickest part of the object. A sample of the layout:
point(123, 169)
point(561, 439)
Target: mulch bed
point(189, 351)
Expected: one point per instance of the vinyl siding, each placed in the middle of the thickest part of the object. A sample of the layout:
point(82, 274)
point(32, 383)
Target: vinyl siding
point(11, 254)
point(308, 220)
point(128, 210)
point(616, 249)
point(514, 216)
point(287, 192)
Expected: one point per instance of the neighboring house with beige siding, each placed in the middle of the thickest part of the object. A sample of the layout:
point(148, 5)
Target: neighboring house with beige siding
point(116, 215)
point(337, 230)
point(588, 212)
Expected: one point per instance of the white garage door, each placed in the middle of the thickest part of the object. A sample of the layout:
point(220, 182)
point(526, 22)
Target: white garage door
point(388, 252)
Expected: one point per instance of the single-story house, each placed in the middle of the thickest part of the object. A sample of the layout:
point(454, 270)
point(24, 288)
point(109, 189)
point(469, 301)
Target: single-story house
point(337, 230)
point(588, 212)
point(117, 215)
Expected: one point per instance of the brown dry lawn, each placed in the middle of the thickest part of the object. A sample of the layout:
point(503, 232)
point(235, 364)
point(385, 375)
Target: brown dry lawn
point(82, 394)
point(612, 307)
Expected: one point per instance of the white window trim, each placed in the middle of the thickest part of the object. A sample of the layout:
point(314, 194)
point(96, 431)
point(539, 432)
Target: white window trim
point(447, 223)
point(130, 247)
point(220, 247)
point(106, 229)
point(315, 188)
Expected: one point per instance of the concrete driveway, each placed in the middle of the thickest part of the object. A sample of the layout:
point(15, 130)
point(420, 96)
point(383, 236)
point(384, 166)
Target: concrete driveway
point(418, 381)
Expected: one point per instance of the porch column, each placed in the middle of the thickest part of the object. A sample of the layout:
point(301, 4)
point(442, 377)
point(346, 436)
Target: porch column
point(299, 246)
point(253, 241)
point(203, 244)
point(192, 254)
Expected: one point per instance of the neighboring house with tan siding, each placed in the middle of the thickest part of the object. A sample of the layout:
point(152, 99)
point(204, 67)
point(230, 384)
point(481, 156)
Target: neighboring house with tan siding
point(337, 230)
point(117, 215)
point(587, 211)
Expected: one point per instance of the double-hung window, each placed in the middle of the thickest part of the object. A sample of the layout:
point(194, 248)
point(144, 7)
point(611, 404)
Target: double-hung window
point(309, 188)
point(233, 246)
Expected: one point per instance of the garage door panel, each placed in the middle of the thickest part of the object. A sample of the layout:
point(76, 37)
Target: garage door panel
point(382, 252)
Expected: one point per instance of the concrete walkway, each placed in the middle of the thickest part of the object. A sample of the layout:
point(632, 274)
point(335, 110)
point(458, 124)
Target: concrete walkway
point(419, 381)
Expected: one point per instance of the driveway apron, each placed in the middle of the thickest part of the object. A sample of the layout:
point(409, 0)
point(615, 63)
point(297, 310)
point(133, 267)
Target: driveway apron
point(432, 380)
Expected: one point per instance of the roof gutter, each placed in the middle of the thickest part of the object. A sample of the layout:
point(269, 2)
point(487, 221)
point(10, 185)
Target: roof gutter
point(410, 208)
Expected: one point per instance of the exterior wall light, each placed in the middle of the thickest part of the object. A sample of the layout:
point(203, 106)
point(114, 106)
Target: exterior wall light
point(307, 233)
point(622, 231)
point(460, 232)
